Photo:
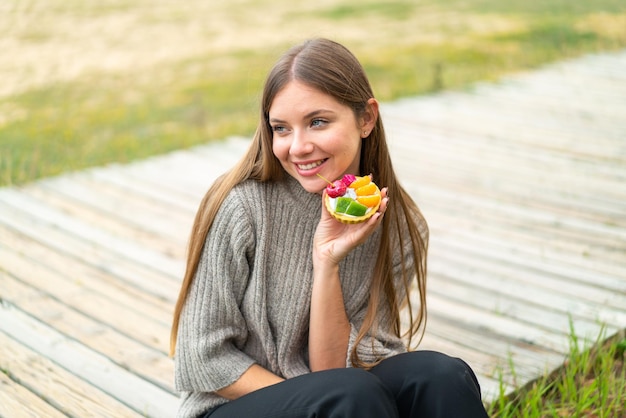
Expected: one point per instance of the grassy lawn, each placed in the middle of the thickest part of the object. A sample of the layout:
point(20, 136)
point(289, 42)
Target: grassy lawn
point(89, 83)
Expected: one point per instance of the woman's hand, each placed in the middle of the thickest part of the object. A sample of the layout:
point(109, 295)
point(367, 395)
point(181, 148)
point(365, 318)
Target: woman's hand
point(334, 240)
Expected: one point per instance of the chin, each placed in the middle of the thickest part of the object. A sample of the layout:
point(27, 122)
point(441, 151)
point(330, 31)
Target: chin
point(313, 189)
point(311, 186)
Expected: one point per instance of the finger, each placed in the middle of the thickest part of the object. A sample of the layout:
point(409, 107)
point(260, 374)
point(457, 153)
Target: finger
point(325, 214)
point(384, 201)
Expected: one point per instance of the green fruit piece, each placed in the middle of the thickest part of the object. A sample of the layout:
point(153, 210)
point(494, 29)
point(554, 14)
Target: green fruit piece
point(342, 204)
point(356, 209)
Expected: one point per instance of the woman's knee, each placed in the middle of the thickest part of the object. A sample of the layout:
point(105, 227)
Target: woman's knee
point(455, 370)
point(432, 384)
point(446, 369)
point(428, 369)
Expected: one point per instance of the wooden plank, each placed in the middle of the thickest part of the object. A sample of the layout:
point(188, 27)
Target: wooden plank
point(125, 265)
point(512, 175)
point(605, 105)
point(471, 118)
point(453, 263)
point(195, 168)
point(202, 164)
point(604, 228)
point(66, 393)
point(31, 254)
point(497, 324)
point(149, 363)
point(118, 383)
point(88, 233)
point(137, 212)
point(113, 225)
point(184, 199)
point(116, 312)
point(539, 250)
point(519, 165)
point(17, 401)
point(573, 259)
point(604, 238)
point(520, 307)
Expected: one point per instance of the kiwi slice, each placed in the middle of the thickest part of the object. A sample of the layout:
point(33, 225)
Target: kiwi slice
point(342, 204)
point(356, 209)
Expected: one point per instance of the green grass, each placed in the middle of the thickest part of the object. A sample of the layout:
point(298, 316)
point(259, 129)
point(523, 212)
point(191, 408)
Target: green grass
point(538, 8)
point(80, 124)
point(105, 117)
point(591, 383)
point(395, 10)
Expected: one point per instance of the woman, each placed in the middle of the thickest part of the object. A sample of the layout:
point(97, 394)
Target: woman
point(285, 312)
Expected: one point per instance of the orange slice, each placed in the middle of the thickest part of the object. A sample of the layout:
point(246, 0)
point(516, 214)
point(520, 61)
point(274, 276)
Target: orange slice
point(360, 182)
point(368, 189)
point(370, 201)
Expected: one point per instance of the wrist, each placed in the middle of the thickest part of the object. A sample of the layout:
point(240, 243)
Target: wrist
point(325, 267)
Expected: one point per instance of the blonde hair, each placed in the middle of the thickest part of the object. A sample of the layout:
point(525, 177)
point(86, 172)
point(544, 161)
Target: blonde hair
point(332, 69)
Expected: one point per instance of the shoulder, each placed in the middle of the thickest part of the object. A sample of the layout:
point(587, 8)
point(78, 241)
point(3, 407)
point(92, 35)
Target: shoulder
point(234, 216)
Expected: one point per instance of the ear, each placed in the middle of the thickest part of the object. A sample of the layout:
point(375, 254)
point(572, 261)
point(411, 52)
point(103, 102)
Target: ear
point(369, 118)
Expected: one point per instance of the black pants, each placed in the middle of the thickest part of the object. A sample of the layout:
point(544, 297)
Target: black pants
point(422, 384)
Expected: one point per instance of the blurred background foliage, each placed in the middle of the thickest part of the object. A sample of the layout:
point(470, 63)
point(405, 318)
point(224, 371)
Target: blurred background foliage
point(88, 83)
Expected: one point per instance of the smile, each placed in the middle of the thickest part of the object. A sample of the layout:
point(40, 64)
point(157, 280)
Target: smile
point(310, 166)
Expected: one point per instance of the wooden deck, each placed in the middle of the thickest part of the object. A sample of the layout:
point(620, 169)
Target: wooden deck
point(523, 183)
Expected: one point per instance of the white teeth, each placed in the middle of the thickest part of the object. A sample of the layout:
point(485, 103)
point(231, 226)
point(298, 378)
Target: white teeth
point(309, 166)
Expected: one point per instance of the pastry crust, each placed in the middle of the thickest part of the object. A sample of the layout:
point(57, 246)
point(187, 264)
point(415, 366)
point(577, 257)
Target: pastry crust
point(349, 219)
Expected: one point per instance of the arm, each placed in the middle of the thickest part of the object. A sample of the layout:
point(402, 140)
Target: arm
point(329, 327)
point(256, 377)
point(212, 329)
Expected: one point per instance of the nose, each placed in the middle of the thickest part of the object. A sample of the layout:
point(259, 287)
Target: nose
point(301, 143)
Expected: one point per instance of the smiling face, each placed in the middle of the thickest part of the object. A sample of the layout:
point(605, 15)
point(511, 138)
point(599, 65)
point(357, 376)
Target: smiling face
point(314, 133)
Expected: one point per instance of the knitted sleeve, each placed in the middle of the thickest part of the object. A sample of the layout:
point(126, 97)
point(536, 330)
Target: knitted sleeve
point(212, 329)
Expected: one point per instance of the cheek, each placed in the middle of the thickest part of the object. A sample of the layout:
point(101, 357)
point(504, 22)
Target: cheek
point(352, 146)
point(280, 150)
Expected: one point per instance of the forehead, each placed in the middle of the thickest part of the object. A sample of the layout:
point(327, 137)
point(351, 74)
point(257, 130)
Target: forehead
point(300, 98)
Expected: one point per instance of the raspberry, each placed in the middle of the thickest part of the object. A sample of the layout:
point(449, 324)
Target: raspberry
point(348, 179)
point(336, 189)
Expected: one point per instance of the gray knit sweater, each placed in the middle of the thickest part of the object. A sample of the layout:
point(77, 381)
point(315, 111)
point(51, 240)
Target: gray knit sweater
point(249, 302)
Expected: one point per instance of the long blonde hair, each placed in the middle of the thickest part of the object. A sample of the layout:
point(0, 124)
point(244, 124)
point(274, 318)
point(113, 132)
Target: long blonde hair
point(332, 69)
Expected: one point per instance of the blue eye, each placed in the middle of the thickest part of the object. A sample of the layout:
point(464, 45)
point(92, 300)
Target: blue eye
point(317, 122)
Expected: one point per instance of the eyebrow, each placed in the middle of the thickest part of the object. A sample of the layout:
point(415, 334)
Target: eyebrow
point(307, 116)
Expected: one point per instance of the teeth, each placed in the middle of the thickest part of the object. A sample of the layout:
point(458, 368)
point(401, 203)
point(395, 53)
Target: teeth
point(309, 166)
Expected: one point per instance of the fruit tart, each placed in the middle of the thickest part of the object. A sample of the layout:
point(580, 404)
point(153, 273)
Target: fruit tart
point(352, 199)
